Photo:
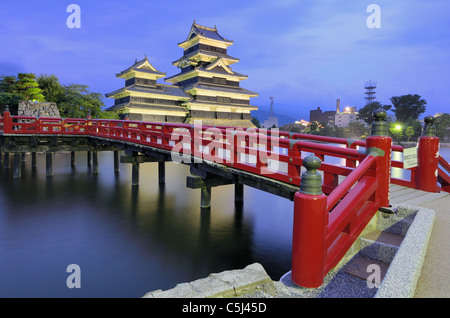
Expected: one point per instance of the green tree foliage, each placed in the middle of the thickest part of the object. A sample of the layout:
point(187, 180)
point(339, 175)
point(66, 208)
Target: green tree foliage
point(51, 88)
point(408, 107)
point(256, 122)
point(442, 124)
point(365, 113)
point(74, 100)
point(28, 88)
point(77, 101)
point(8, 95)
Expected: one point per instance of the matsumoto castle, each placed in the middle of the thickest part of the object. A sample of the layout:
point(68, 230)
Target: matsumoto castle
point(206, 88)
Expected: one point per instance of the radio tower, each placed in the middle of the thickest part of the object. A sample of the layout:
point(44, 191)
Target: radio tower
point(370, 87)
point(271, 107)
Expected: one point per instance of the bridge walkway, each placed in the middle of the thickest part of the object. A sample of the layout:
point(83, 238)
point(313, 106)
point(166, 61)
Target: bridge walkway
point(434, 281)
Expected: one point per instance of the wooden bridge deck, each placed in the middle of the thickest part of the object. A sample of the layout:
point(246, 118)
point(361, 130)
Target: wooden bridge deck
point(434, 281)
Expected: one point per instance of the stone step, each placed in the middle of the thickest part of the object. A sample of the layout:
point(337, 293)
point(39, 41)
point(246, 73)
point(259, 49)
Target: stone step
point(360, 266)
point(380, 250)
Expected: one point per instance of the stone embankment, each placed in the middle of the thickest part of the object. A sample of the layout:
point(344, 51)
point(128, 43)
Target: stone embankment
point(45, 109)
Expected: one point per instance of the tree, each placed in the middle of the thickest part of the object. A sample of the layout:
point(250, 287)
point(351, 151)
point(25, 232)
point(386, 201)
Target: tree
point(27, 87)
point(77, 101)
point(409, 132)
point(442, 124)
point(408, 107)
point(256, 122)
point(365, 113)
point(51, 88)
point(8, 95)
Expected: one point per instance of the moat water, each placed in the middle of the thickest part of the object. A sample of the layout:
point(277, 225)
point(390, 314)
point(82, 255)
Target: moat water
point(128, 240)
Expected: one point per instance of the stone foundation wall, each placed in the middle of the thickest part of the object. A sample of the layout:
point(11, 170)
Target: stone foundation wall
point(45, 109)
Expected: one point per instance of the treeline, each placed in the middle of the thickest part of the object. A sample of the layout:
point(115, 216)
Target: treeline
point(405, 127)
point(73, 100)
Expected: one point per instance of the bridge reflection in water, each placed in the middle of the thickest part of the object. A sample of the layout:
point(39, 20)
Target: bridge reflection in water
point(128, 240)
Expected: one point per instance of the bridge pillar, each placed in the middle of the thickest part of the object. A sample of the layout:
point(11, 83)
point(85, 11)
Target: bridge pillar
point(116, 161)
point(49, 163)
point(6, 161)
point(379, 144)
point(428, 158)
point(309, 227)
point(33, 160)
point(161, 172)
point(72, 159)
point(238, 193)
point(17, 171)
point(205, 197)
point(89, 158)
point(135, 174)
point(95, 162)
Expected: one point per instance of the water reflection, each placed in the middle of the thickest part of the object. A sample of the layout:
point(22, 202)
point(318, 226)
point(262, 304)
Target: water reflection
point(128, 240)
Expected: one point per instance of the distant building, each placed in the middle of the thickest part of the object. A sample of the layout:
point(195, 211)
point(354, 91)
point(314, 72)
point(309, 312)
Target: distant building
point(206, 75)
point(143, 99)
point(348, 116)
point(206, 87)
point(326, 117)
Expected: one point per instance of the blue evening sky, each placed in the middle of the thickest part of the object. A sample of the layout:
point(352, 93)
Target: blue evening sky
point(305, 53)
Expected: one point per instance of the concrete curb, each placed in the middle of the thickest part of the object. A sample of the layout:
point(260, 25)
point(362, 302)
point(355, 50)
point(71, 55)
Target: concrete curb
point(251, 281)
point(404, 271)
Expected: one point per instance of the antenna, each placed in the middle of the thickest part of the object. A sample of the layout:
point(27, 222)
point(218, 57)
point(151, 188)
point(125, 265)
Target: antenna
point(370, 87)
point(271, 107)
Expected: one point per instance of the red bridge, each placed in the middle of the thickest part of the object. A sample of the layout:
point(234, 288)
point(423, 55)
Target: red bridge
point(329, 214)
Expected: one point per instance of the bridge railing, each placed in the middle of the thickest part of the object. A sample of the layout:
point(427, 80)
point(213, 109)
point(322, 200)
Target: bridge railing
point(326, 226)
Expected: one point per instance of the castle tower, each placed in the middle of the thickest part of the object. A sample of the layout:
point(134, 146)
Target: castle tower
point(143, 99)
point(206, 75)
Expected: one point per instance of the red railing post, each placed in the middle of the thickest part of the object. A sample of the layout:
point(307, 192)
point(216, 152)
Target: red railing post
point(7, 121)
point(428, 158)
point(309, 228)
point(379, 144)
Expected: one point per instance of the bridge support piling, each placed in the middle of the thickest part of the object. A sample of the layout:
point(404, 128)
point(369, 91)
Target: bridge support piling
point(49, 164)
point(205, 198)
point(161, 172)
point(33, 160)
point(135, 174)
point(95, 162)
point(238, 193)
point(24, 156)
point(89, 158)
point(17, 171)
point(116, 162)
point(72, 159)
point(6, 161)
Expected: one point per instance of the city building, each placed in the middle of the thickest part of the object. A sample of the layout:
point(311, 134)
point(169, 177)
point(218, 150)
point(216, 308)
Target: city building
point(206, 75)
point(326, 117)
point(143, 99)
point(349, 115)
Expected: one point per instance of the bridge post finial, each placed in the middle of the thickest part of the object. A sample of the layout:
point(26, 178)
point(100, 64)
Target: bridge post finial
point(429, 129)
point(311, 180)
point(379, 124)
